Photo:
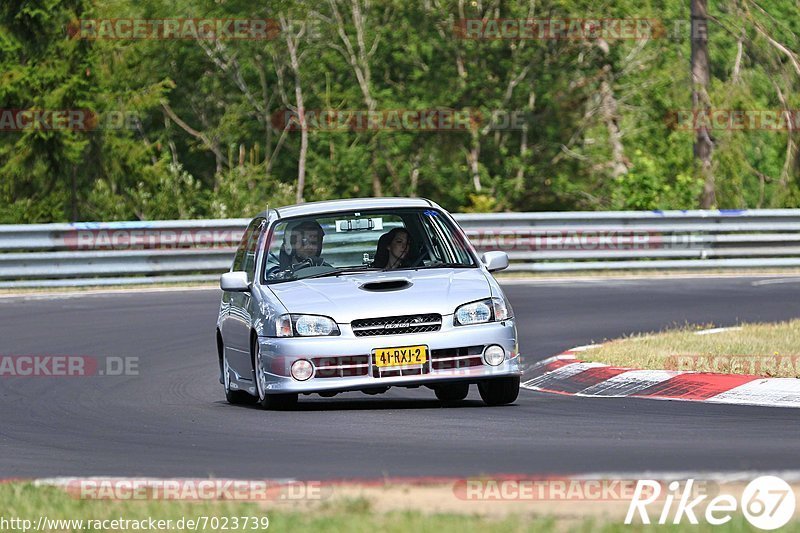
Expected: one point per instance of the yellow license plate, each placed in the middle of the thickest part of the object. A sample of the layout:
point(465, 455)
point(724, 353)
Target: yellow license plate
point(402, 356)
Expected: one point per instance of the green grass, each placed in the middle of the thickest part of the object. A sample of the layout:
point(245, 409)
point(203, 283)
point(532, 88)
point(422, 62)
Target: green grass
point(26, 501)
point(23, 500)
point(770, 350)
point(29, 502)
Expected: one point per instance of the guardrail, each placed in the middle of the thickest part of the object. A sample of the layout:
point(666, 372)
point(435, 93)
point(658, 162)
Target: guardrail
point(179, 250)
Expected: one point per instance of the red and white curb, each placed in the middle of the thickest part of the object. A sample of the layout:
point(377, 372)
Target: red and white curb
point(567, 374)
point(123, 482)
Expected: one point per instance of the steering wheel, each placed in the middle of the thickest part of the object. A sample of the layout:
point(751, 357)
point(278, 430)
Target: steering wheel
point(314, 270)
point(420, 255)
point(272, 272)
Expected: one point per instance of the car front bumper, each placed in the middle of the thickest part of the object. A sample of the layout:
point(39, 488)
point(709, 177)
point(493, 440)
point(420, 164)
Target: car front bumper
point(454, 354)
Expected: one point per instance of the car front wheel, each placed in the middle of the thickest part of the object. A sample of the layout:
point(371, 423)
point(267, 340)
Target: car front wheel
point(452, 392)
point(499, 391)
point(269, 401)
point(235, 397)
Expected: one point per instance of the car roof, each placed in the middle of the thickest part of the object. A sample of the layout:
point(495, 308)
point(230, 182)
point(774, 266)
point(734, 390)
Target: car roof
point(350, 204)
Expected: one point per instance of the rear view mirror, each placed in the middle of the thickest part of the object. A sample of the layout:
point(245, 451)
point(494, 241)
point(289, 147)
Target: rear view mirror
point(495, 261)
point(359, 224)
point(234, 282)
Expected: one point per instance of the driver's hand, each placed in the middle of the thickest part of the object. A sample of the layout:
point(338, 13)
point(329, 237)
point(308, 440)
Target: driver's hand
point(310, 261)
point(302, 264)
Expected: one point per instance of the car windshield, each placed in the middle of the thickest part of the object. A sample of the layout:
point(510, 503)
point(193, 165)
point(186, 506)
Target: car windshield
point(357, 241)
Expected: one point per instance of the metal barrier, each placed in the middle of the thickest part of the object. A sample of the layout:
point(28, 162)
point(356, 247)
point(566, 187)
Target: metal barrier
point(167, 251)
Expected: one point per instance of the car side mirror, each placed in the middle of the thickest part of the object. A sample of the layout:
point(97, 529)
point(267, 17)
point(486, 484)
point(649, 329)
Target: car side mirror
point(234, 282)
point(495, 261)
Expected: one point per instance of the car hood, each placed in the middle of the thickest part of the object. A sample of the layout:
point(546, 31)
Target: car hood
point(344, 298)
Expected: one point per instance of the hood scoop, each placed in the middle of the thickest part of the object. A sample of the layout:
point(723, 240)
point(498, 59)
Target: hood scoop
point(386, 286)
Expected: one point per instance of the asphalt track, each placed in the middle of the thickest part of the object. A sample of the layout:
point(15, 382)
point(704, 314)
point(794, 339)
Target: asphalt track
point(172, 420)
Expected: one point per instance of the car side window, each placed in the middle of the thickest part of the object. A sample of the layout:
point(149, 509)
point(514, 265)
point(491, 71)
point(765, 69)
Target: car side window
point(444, 248)
point(251, 249)
point(241, 251)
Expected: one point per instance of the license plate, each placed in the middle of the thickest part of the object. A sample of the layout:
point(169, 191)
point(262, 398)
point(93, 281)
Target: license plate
point(402, 356)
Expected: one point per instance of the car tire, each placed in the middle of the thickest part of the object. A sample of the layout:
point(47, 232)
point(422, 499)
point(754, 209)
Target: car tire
point(235, 397)
point(277, 402)
point(239, 397)
point(499, 391)
point(452, 392)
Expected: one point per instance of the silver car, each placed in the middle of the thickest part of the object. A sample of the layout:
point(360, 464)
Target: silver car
point(363, 295)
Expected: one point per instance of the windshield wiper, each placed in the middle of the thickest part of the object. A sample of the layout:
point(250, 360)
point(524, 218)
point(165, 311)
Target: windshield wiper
point(445, 265)
point(344, 270)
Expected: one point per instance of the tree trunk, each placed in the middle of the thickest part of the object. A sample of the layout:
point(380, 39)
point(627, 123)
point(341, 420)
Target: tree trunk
point(74, 193)
point(359, 60)
point(619, 163)
point(703, 145)
point(292, 44)
point(473, 157)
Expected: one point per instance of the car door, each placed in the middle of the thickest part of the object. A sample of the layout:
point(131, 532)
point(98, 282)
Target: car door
point(237, 323)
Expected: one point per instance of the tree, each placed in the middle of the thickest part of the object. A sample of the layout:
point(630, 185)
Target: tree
point(703, 145)
point(45, 72)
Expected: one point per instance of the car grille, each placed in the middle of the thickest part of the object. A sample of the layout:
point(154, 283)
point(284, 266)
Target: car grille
point(451, 358)
point(341, 367)
point(418, 370)
point(395, 325)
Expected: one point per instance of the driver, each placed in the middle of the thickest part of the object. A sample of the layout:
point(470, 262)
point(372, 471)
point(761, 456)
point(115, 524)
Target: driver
point(302, 244)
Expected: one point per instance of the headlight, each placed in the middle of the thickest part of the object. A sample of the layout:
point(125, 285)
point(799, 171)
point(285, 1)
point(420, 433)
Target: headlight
point(502, 310)
point(305, 326)
point(489, 310)
point(474, 313)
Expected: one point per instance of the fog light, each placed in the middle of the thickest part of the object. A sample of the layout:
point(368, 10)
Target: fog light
point(494, 355)
point(302, 370)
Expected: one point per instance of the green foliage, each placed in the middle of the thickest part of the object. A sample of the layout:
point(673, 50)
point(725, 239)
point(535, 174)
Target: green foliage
point(244, 191)
point(202, 135)
point(481, 203)
point(651, 185)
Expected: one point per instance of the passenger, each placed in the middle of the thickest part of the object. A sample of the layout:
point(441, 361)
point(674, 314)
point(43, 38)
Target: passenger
point(302, 243)
point(393, 248)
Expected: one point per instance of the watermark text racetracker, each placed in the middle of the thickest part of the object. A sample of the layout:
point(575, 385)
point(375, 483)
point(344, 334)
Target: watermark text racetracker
point(67, 119)
point(758, 365)
point(204, 29)
point(567, 489)
point(541, 239)
point(122, 489)
point(578, 29)
point(174, 28)
point(779, 120)
point(416, 120)
point(51, 365)
point(151, 238)
point(558, 28)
